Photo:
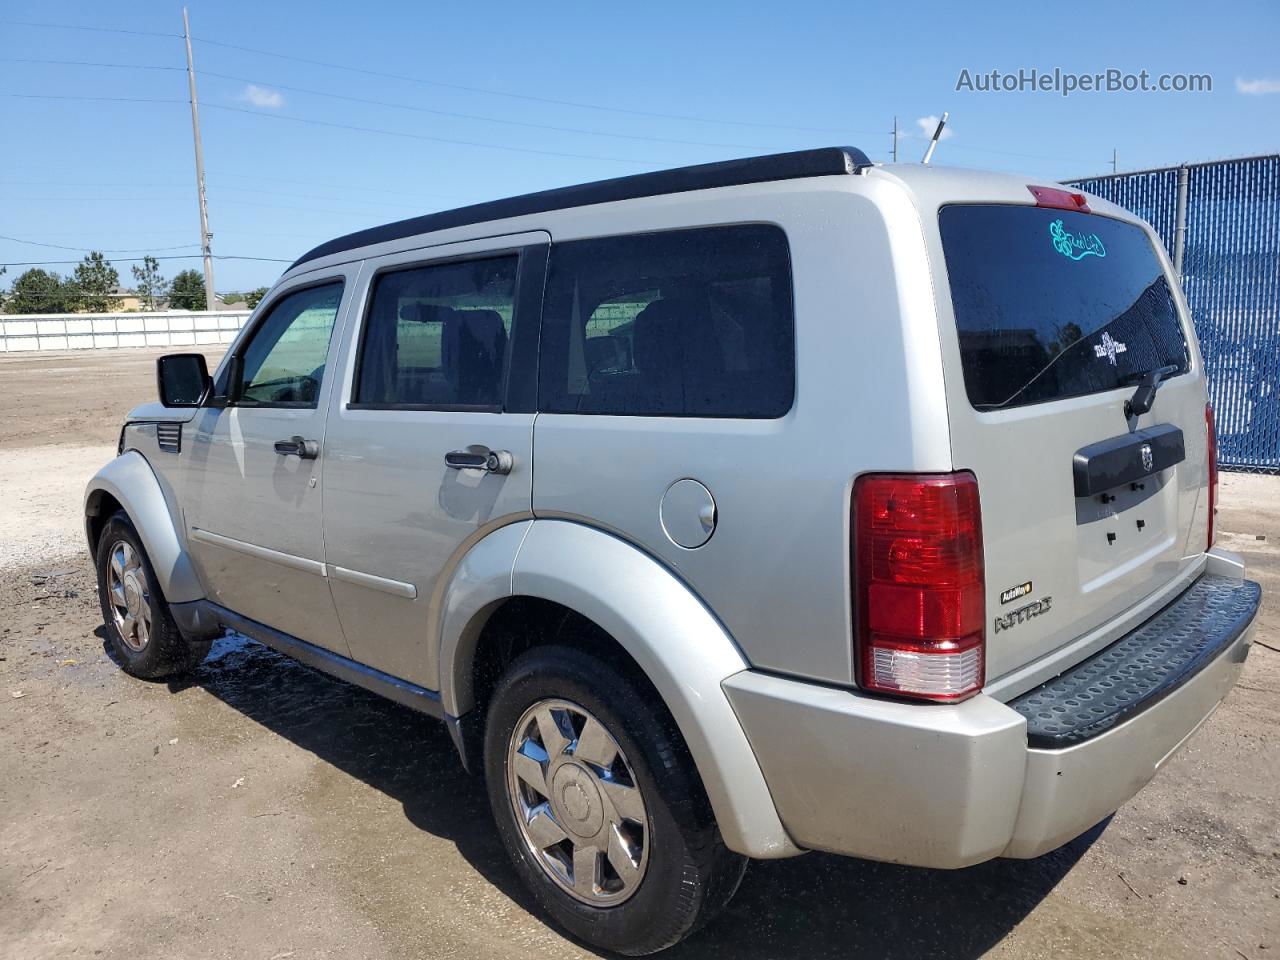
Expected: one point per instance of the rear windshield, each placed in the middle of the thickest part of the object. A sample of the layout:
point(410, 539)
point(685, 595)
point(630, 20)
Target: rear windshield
point(1054, 303)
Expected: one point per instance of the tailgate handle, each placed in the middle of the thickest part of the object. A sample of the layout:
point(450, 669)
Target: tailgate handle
point(1120, 460)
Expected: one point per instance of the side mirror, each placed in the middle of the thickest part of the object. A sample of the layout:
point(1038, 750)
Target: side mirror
point(182, 379)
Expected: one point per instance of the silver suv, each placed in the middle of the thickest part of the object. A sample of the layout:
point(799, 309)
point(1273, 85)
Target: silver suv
point(790, 503)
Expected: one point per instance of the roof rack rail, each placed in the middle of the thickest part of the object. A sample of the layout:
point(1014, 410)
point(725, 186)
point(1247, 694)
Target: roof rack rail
point(819, 162)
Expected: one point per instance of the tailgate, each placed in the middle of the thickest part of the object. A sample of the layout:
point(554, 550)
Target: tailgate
point(1054, 319)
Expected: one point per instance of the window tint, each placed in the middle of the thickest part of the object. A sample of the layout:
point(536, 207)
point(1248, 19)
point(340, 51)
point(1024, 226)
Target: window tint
point(285, 359)
point(437, 335)
point(1055, 303)
point(694, 323)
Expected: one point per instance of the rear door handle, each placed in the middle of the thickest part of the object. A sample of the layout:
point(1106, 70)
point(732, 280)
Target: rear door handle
point(298, 447)
point(480, 458)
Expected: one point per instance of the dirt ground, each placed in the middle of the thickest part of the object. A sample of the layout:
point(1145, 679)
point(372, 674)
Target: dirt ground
point(260, 810)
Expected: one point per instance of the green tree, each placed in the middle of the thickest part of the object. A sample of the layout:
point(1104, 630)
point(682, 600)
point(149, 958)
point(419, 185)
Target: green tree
point(96, 279)
point(148, 282)
point(254, 297)
point(39, 291)
point(187, 291)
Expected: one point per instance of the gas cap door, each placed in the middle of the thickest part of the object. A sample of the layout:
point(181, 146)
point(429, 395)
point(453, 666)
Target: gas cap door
point(688, 514)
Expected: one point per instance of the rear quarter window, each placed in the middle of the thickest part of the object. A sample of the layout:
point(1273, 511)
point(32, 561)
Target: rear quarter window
point(1052, 304)
point(689, 323)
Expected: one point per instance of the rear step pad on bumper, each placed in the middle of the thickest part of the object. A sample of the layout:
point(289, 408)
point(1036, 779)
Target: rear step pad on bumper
point(1141, 667)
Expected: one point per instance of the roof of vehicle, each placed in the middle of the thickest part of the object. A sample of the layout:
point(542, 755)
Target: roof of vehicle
point(823, 161)
point(937, 184)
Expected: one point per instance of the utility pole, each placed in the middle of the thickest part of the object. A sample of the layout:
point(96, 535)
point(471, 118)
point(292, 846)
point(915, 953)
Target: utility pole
point(1113, 159)
point(895, 139)
point(205, 235)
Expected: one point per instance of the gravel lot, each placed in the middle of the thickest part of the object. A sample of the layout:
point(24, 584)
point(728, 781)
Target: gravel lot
point(260, 810)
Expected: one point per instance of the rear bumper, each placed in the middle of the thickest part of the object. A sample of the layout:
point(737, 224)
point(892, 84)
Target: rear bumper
point(952, 785)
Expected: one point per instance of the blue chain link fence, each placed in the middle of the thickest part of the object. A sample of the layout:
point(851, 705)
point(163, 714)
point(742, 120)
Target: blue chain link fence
point(1231, 275)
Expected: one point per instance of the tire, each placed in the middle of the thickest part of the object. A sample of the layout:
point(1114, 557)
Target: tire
point(672, 873)
point(140, 628)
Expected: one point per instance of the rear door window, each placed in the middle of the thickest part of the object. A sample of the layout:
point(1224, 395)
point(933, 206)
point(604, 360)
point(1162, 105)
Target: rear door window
point(693, 323)
point(1054, 303)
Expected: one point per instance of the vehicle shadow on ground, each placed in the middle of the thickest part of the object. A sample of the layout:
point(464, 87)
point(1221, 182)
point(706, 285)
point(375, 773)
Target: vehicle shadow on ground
point(816, 905)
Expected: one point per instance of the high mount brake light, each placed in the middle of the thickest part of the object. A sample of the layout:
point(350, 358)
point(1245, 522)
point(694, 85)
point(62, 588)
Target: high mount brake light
point(919, 591)
point(1211, 454)
point(1058, 198)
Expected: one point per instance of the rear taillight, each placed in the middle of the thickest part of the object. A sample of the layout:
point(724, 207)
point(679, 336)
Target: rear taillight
point(1211, 458)
point(1059, 199)
point(918, 593)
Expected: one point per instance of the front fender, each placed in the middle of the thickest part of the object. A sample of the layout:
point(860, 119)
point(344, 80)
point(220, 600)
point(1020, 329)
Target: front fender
point(681, 647)
point(130, 480)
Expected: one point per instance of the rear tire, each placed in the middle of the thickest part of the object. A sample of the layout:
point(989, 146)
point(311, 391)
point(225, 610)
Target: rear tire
point(575, 751)
point(140, 629)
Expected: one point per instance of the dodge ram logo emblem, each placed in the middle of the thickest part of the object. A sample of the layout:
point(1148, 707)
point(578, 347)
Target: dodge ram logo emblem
point(1147, 459)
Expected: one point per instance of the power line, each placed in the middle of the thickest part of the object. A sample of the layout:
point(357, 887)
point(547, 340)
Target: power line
point(87, 63)
point(423, 136)
point(59, 246)
point(51, 96)
point(516, 96)
point(1003, 153)
point(219, 188)
point(75, 183)
point(440, 83)
point(474, 116)
point(256, 177)
point(72, 26)
point(345, 126)
point(396, 106)
point(190, 256)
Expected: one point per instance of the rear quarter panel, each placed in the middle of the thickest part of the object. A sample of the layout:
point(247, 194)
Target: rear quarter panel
point(868, 397)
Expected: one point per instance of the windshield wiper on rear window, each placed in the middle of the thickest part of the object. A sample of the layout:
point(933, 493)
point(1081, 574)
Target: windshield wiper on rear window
point(1145, 395)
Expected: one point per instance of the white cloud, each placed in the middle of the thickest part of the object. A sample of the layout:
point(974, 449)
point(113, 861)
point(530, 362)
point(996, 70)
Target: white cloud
point(1257, 87)
point(929, 124)
point(262, 97)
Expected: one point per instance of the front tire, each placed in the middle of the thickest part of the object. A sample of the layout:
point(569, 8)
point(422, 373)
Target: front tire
point(140, 629)
point(599, 805)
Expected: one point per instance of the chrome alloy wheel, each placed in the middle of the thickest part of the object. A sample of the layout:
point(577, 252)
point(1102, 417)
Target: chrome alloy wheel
point(577, 803)
point(130, 596)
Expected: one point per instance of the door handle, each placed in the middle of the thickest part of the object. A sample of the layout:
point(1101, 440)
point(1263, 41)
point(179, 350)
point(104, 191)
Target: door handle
point(480, 458)
point(298, 447)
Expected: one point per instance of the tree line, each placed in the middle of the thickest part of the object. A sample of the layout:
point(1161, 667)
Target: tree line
point(92, 288)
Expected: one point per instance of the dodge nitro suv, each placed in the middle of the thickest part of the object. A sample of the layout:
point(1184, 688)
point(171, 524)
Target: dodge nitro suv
point(733, 511)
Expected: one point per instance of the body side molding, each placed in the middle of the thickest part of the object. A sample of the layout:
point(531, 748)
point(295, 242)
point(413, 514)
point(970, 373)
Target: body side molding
point(260, 553)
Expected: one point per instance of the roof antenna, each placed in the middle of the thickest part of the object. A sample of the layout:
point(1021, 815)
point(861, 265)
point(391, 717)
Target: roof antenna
point(937, 135)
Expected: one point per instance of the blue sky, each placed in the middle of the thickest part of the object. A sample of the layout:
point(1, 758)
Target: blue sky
point(679, 83)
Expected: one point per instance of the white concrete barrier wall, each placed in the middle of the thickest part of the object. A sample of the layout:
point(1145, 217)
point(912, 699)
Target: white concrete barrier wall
point(87, 331)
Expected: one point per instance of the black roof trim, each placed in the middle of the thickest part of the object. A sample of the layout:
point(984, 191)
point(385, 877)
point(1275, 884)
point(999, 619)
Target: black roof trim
point(820, 162)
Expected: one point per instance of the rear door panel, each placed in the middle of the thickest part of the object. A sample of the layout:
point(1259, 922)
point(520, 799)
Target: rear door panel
point(396, 518)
